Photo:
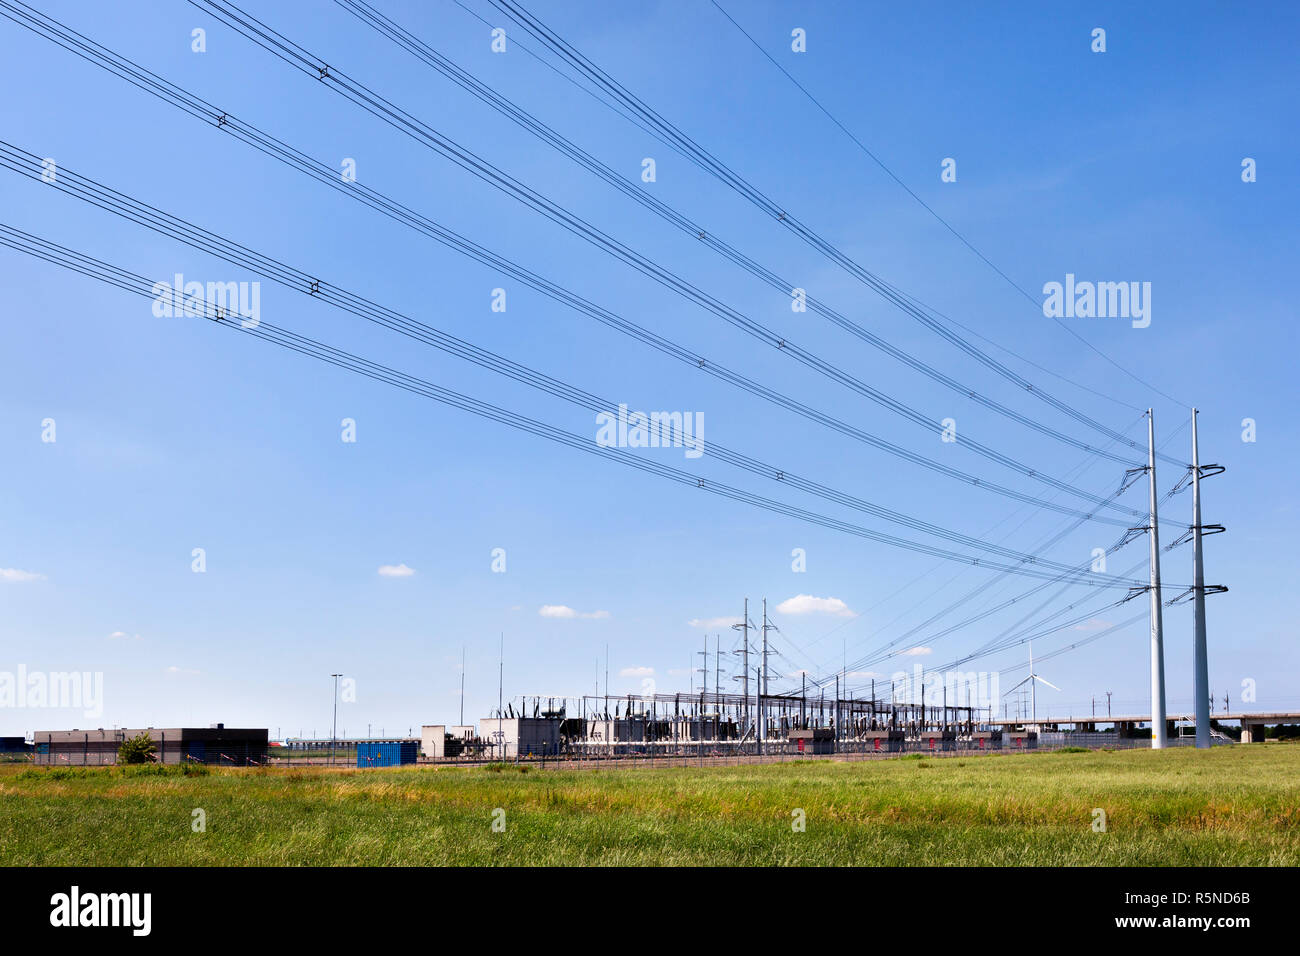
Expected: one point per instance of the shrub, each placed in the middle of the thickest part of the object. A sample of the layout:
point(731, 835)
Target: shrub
point(54, 773)
point(140, 749)
point(163, 770)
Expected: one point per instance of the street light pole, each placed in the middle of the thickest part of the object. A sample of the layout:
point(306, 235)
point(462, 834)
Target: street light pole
point(334, 730)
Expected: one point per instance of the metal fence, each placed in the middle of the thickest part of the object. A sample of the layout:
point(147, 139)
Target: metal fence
point(706, 753)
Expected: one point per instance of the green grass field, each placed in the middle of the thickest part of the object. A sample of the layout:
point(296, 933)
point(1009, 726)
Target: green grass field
point(1231, 806)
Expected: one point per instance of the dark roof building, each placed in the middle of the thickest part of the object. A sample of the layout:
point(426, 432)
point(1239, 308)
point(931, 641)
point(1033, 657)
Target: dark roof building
point(218, 744)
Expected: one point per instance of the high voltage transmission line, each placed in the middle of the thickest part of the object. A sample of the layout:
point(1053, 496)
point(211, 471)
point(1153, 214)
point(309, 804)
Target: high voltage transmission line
point(1031, 565)
point(30, 244)
point(312, 66)
point(773, 209)
point(884, 652)
point(1078, 470)
point(711, 163)
point(313, 285)
point(408, 41)
point(152, 83)
point(928, 208)
point(959, 602)
point(598, 96)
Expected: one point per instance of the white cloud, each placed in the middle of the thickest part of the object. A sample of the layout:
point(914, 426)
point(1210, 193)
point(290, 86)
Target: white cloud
point(16, 576)
point(917, 652)
point(395, 571)
point(1093, 624)
point(864, 674)
point(637, 672)
point(712, 622)
point(123, 636)
point(566, 612)
point(180, 670)
point(807, 604)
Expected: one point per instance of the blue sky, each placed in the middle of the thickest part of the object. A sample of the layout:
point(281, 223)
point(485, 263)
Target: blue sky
point(174, 435)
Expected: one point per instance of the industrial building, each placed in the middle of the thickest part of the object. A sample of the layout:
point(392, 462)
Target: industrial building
point(720, 724)
point(509, 737)
point(217, 744)
point(438, 741)
point(326, 744)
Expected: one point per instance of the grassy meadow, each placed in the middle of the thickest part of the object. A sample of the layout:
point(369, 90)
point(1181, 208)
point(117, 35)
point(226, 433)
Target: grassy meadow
point(1235, 805)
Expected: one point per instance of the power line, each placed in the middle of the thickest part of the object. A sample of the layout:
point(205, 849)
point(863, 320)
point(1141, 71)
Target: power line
point(1010, 637)
point(97, 269)
point(1079, 469)
point(655, 134)
point(882, 653)
point(316, 287)
point(432, 58)
point(769, 206)
point(752, 498)
point(383, 109)
point(926, 206)
point(195, 106)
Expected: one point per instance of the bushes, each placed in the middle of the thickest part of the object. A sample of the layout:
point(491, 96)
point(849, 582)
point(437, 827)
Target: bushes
point(128, 770)
point(163, 770)
point(138, 749)
point(54, 773)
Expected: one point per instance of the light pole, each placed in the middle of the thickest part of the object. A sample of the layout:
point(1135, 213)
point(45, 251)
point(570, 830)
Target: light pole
point(334, 729)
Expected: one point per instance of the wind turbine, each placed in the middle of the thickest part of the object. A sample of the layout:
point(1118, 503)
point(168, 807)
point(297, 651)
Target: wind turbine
point(1033, 687)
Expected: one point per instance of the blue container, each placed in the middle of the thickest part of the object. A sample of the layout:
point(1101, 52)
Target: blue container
point(388, 754)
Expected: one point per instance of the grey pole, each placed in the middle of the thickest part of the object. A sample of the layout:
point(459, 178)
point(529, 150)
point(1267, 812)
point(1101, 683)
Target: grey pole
point(760, 690)
point(1158, 735)
point(501, 674)
point(1200, 656)
point(334, 732)
point(717, 669)
point(765, 667)
point(1033, 688)
point(744, 627)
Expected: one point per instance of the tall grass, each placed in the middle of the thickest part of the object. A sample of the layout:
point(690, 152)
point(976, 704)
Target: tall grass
point(1232, 805)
